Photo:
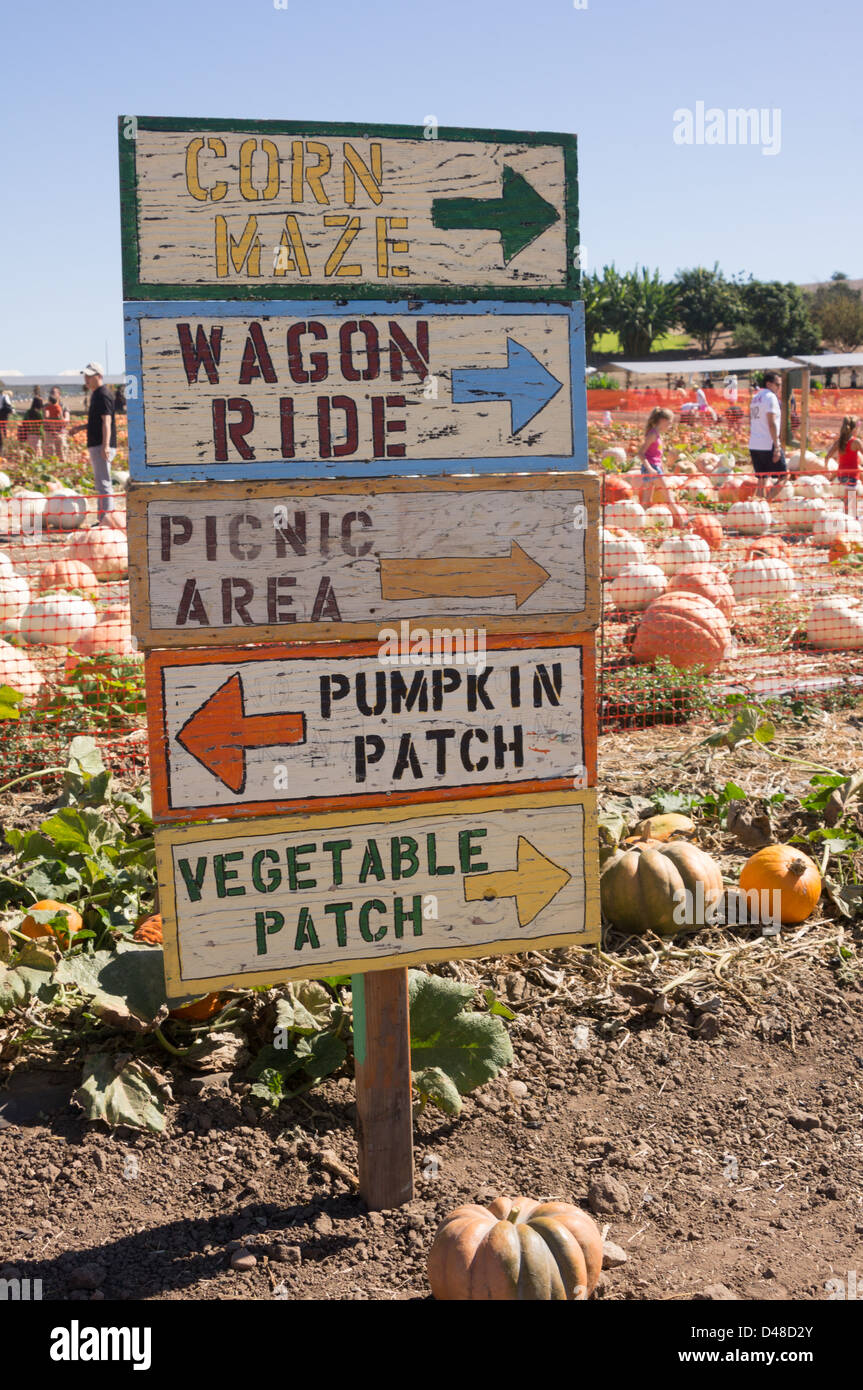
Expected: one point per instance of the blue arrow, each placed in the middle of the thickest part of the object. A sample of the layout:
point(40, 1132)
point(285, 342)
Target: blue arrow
point(524, 382)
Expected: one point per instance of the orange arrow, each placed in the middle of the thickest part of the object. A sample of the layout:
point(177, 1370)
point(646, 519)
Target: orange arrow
point(464, 577)
point(220, 731)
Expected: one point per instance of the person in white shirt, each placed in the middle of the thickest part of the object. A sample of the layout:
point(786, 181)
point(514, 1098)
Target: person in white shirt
point(703, 405)
point(765, 450)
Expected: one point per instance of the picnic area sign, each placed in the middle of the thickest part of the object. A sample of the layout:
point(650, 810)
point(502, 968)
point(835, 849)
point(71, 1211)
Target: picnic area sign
point(319, 561)
point(226, 209)
point(260, 730)
point(317, 390)
point(298, 897)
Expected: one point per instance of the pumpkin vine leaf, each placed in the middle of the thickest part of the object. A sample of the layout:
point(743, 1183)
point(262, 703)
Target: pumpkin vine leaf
point(469, 1049)
point(122, 1091)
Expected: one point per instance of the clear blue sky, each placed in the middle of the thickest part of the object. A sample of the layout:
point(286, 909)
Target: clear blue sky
point(614, 72)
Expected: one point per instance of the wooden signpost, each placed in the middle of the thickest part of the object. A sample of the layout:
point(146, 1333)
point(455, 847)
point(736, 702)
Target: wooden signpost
point(315, 390)
point(264, 729)
point(382, 318)
point(331, 560)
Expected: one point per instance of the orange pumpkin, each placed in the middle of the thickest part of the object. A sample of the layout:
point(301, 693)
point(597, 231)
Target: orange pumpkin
point(783, 869)
point(149, 929)
point(768, 548)
point(708, 581)
point(709, 528)
point(516, 1250)
point(74, 922)
point(615, 488)
point(67, 574)
point(684, 627)
point(842, 546)
point(199, 1010)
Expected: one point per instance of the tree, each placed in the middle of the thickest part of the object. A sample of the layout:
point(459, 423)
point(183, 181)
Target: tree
point(775, 319)
point(641, 308)
point(595, 296)
point(838, 309)
point(707, 304)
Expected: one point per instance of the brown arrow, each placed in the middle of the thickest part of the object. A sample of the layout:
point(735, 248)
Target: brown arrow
point(220, 731)
point(464, 577)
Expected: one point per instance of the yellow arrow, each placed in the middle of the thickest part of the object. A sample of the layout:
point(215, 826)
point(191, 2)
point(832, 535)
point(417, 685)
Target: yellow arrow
point(463, 577)
point(533, 884)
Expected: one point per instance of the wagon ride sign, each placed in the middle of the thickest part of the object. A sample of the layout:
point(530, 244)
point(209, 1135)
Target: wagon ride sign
point(364, 560)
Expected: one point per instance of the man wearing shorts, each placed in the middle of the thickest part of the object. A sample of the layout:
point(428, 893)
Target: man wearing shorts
point(765, 450)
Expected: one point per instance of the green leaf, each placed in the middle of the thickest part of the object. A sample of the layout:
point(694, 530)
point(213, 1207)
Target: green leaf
point(14, 990)
point(128, 1094)
point(9, 701)
point(132, 972)
point(269, 1088)
point(326, 1055)
point(434, 1001)
point(84, 756)
point(495, 1006)
point(434, 1085)
point(306, 1008)
point(765, 733)
point(732, 792)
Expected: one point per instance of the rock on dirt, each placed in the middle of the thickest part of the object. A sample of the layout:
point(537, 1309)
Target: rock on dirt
point(609, 1197)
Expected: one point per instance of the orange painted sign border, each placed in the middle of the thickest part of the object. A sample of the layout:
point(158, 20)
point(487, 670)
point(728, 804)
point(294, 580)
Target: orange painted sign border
point(158, 736)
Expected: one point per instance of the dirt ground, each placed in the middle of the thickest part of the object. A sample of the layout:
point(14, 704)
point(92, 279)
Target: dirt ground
point(712, 1126)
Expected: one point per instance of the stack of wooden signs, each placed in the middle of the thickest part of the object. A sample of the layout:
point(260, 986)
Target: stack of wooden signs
point(364, 546)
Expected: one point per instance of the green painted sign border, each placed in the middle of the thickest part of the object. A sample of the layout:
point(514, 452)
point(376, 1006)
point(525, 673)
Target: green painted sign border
point(133, 289)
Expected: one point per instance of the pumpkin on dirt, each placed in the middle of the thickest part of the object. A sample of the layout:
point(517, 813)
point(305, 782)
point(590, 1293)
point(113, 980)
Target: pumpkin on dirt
point(74, 922)
point(615, 488)
point(662, 827)
point(655, 887)
point(685, 628)
point(768, 548)
point(149, 930)
point(67, 574)
point(842, 546)
point(709, 528)
point(783, 869)
point(708, 581)
point(516, 1250)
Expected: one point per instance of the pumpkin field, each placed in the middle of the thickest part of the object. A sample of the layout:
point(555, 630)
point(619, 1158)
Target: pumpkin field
point(687, 1092)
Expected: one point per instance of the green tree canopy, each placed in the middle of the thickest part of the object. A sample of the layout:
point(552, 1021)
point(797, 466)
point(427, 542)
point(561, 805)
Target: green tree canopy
point(707, 304)
point(775, 319)
point(641, 308)
point(838, 311)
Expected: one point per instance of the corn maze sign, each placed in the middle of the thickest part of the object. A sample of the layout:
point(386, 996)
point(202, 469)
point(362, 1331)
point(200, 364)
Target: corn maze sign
point(219, 209)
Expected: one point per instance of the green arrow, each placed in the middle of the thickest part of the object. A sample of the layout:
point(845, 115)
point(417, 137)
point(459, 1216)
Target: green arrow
point(520, 214)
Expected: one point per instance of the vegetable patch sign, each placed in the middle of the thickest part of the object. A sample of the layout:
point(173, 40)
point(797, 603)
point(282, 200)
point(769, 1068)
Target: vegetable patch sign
point(306, 896)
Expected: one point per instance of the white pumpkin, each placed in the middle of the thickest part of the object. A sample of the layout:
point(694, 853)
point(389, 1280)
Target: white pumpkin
point(725, 464)
point(22, 511)
point(626, 513)
point(17, 670)
point(14, 595)
point(637, 586)
point(836, 622)
point(619, 549)
point(809, 464)
point(615, 453)
point(835, 523)
point(677, 551)
point(5, 481)
point(750, 518)
point(767, 578)
point(783, 493)
point(798, 513)
point(811, 485)
point(65, 509)
point(105, 550)
point(57, 619)
point(659, 516)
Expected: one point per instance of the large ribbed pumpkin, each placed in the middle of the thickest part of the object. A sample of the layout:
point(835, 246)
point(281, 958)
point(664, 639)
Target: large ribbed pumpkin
point(782, 870)
point(516, 1250)
point(654, 887)
point(66, 573)
point(684, 627)
point(709, 528)
point(709, 582)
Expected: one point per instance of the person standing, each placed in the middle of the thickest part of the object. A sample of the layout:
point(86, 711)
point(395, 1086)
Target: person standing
point(101, 436)
point(847, 448)
point(765, 450)
point(56, 421)
point(6, 411)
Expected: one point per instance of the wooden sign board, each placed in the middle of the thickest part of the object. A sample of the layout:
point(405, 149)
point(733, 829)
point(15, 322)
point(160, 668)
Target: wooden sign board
point(267, 209)
point(260, 901)
point(319, 390)
point(259, 730)
point(264, 562)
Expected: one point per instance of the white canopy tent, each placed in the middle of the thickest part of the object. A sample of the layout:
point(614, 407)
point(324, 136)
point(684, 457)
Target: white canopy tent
point(832, 361)
point(707, 366)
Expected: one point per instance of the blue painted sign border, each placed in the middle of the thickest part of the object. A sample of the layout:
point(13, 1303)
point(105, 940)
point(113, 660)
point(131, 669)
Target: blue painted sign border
point(142, 471)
